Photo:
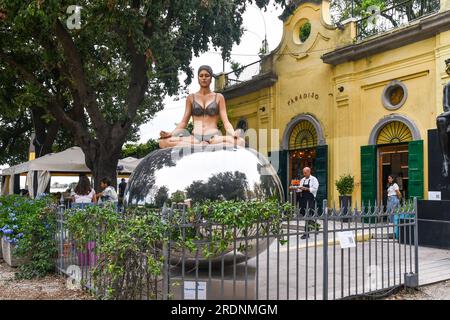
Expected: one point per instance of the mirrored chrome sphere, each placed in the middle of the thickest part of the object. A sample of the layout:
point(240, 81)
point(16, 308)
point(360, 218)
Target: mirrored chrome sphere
point(213, 172)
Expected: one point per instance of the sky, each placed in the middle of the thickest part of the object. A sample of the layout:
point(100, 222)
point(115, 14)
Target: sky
point(256, 23)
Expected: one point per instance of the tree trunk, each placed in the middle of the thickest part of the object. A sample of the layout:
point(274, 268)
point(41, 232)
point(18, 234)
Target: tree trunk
point(45, 132)
point(102, 159)
point(105, 167)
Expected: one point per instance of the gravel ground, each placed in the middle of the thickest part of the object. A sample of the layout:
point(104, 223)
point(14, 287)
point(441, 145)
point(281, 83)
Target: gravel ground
point(438, 291)
point(49, 288)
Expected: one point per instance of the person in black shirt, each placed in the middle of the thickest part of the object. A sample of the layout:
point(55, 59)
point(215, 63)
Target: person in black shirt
point(122, 187)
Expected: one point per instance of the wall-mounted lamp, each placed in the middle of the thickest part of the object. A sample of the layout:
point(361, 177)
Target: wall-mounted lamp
point(341, 89)
point(262, 109)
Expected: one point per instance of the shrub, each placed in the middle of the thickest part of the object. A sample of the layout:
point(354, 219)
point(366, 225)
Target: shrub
point(30, 225)
point(345, 184)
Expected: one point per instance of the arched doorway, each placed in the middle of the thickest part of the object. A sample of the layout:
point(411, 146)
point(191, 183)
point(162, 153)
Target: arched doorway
point(392, 142)
point(395, 147)
point(302, 149)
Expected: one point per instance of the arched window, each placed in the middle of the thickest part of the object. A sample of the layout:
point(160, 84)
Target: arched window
point(394, 132)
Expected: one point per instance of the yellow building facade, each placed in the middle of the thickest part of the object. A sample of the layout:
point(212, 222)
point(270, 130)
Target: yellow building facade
point(345, 105)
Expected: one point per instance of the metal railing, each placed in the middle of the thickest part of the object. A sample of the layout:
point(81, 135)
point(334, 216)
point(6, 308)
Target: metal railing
point(326, 254)
point(393, 17)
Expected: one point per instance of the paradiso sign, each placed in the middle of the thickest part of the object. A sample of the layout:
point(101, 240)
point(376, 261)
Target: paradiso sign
point(303, 96)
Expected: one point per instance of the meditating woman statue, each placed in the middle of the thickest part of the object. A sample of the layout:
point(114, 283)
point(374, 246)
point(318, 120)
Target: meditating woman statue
point(205, 107)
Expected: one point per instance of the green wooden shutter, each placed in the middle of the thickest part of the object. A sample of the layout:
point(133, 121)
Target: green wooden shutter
point(279, 160)
point(321, 173)
point(415, 169)
point(368, 174)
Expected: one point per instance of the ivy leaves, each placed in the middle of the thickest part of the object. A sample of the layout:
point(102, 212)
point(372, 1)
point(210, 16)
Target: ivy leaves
point(130, 246)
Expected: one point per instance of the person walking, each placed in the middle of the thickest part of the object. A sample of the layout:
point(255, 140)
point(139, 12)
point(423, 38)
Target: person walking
point(394, 195)
point(308, 191)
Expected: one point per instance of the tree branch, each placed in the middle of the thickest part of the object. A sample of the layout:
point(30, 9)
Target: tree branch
point(55, 107)
point(76, 71)
point(138, 83)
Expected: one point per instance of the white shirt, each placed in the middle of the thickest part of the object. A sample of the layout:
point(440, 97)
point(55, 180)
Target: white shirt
point(110, 193)
point(313, 184)
point(392, 190)
point(84, 198)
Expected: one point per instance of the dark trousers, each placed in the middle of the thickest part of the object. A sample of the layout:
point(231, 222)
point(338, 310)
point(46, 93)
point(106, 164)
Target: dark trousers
point(306, 200)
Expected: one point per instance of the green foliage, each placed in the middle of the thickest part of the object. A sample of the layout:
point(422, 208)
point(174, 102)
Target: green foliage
point(178, 196)
point(305, 31)
point(237, 68)
point(30, 226)
point(139, 150)
point(231, 219)
point(345, 184)
point(129, 246)
point(102, 81)
point(342, 9)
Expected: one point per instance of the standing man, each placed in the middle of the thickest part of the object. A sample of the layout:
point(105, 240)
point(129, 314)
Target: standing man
point(308, 191)
point(122, 187)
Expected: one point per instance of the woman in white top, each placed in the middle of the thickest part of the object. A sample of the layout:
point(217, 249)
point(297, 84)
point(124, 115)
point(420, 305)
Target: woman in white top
point(83, 191)
point(393, 193)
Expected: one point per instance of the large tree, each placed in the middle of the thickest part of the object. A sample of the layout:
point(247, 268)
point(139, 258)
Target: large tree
point(102, 81)
point(21, 115)
point(400, 11)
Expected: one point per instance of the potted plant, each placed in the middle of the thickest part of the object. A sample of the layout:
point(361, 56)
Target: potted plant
point(345, 185)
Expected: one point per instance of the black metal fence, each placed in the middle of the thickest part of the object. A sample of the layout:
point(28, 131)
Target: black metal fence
point(325, 254)
point(398, 15)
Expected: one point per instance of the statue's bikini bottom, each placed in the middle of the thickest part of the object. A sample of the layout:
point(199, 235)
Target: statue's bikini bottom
point(206, 137)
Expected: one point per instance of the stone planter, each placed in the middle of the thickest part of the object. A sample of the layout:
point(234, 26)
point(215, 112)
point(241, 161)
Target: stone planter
point(345, 203)
point(8, 255)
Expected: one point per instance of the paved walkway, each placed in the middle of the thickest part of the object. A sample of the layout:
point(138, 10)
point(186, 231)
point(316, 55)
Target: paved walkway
point(376, 262)
point(295, 270)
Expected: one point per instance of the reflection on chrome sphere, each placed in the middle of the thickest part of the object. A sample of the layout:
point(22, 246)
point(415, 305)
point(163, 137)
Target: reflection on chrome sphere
point(210, 172)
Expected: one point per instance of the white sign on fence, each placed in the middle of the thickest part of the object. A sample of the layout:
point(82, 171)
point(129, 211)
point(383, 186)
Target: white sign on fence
point(346, 239)
point(434, 195)
point(189, 290)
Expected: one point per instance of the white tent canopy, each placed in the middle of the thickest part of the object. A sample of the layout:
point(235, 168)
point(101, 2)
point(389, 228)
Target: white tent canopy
point(69, 160)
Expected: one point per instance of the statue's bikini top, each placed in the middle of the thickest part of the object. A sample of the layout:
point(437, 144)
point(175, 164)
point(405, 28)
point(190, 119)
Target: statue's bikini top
point(211, 109)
